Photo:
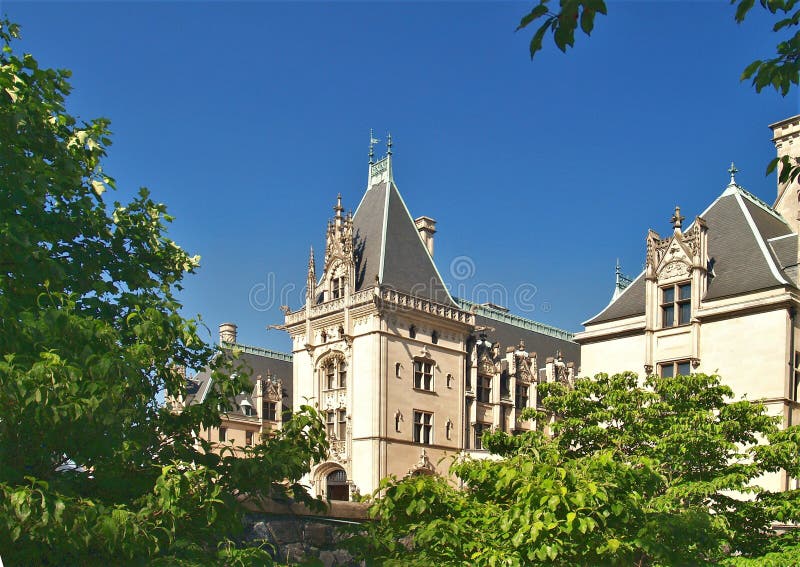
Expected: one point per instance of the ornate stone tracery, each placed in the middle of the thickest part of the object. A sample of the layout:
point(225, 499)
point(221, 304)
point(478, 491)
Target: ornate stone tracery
point(273, 389)
point(486, 366)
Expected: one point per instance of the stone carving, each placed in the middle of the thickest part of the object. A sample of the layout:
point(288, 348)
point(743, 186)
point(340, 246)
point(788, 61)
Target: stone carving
point(338, 450)
point(334, 399)
point(485, 365)
point(675, 269)
point(273, 389)
point(424, 465)
point(523, 370)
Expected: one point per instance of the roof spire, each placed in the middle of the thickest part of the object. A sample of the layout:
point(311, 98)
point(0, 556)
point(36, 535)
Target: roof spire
point(621, 281)
point(733, 171)
point(389, 144)
point(677, 218)
point(372, 141)
point(311, 281)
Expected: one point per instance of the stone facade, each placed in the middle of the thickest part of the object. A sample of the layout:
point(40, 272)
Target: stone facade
point(254, 412)
point(406, 376)
point(719, 296)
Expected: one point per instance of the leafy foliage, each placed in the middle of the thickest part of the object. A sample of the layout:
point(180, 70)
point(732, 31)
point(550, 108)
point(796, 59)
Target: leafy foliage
point(660, 473)
point(92, 468)
point(780, 72)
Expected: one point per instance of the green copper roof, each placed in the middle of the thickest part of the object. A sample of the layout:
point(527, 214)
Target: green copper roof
point(516, 320)
point(259, 351)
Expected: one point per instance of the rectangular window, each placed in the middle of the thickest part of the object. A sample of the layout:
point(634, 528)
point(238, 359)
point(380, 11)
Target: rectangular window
point(249, 437)
point(521, 398)
point(484, 391)
point(223, 434)
point(423, 427)
point(480, 428)
point(337, 288)
point(342, 374)
point(330, 377)
point(672, 369)
point(330, 424)
point(270, 411)
point(795, 385)
point(341, 431)
point(684, 304)
point(676, 299)
point(423, 375)
point(505, 381)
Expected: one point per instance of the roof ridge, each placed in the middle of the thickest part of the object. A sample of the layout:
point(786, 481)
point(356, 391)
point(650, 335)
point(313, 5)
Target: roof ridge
point(514, 319)
point(761, 203)
point(425, 248)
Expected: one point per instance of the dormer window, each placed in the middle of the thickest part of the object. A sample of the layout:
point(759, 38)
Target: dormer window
point(337, 287)
point(676, 305)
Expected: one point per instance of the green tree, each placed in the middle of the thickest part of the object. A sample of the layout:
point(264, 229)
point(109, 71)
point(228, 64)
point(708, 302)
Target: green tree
point(779, 72)
point(664, 473)
point(92, 468)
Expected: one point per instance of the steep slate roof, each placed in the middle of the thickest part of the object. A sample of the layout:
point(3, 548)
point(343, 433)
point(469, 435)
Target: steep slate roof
point(258, 362)
point(387, 244)
point(630, 303)
point(784, 248)
point(746, 250)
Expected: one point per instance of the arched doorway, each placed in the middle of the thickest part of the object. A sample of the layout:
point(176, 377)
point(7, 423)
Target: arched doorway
point(336, 487)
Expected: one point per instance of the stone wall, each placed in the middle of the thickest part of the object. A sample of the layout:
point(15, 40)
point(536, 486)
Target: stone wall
point(296, 535)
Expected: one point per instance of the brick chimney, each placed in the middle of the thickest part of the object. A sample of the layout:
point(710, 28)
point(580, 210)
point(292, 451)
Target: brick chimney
point(427, 228)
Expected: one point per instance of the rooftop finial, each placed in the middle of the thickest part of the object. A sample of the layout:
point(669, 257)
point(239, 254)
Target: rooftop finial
point(389, 144)
point(677, 218)
point(733, 171)
point(372, 141)
point(338, 208)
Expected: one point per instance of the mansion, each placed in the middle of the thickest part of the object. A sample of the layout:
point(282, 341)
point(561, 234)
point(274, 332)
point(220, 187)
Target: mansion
point(718, 295)
point(408, 377)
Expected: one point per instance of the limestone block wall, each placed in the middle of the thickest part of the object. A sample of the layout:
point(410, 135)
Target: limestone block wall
point(613, 356)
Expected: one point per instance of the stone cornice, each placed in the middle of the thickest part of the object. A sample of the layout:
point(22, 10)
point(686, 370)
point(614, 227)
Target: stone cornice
point(387, 299)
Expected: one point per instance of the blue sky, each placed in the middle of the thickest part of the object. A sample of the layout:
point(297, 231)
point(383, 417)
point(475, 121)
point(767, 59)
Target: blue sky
point(248, 118)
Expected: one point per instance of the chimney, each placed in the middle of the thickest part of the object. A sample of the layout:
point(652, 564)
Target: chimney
point(786, 136)
point(227, 333)
point(427, 228)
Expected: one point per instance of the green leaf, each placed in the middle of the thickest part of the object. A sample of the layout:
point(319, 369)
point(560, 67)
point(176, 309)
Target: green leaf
point(534, 14)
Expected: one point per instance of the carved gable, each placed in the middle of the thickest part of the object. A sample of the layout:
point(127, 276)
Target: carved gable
point(486, 365)
point(673, 258)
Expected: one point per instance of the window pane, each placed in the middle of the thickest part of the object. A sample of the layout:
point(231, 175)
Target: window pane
point(667, 370)
point(668, 295)
point(684, 313)
point(685, 291)
point(683, 369)
point(669, 316)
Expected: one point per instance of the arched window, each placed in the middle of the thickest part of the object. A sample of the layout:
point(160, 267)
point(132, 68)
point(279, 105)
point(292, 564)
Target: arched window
point(334, 373)
point(412, 331)
point(435, 337)
point(336, 486)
